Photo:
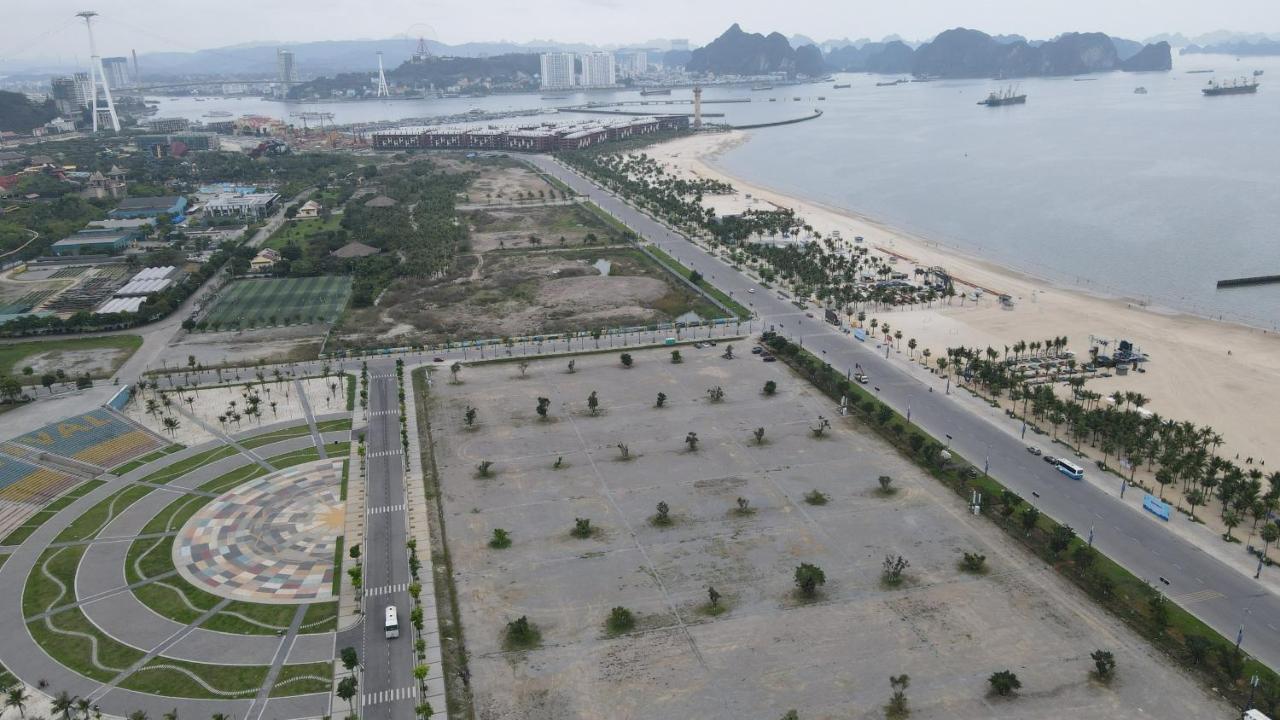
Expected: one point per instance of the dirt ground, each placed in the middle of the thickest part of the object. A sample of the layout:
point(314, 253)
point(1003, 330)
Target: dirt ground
point(497, 295)
point(99, 362)
point(292, 343)
point(769, 650)
point(499, 179)
point(511, 228)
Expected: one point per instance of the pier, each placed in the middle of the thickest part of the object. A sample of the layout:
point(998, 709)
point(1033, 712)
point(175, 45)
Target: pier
point(1245, 281)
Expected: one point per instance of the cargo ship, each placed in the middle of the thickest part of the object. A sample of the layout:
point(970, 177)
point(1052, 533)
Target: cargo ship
point(1008, 96)
point(655, 91)
point(899, 81)
point(841, 86)
point(1235, 87)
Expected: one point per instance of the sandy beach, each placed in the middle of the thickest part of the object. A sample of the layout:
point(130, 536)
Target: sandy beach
point(1211, 373)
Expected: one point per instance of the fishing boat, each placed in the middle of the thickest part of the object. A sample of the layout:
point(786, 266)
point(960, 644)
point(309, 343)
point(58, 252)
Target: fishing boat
point(761, 87)
point(899, 81)
point(1008, 96)
point(1139, 91)
point(841, 86)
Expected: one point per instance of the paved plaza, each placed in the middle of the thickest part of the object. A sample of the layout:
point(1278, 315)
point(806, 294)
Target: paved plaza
point(270, 540)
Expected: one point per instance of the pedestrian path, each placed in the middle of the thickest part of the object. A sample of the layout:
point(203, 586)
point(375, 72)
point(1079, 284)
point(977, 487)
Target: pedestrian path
point(386, 696)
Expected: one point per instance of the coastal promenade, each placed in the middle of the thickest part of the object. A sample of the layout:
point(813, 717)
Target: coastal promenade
point(1216, 592)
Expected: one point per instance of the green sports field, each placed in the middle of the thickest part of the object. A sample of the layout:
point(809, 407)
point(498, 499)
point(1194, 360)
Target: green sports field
point(280, 301)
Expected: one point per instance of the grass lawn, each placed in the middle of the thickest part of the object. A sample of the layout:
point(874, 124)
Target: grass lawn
point(325, 426)
point(297, 457)
point(41, 592)
point(23, 531)
point(248, 618)
point(346, 473)
point(240, 475)
point(169, 598)
point(182, 467)
point(300, 230)
point(152, 457)
point(76, 652)
point(175, 514)
point(6, 678)
point(96, 518)
point(277, 436)
point(303, 679)
point(319, 618)
point(14, 356)
point(159, 678)
point(148, 558)
point(268, 302)
point(337, 564)
point(710, 289)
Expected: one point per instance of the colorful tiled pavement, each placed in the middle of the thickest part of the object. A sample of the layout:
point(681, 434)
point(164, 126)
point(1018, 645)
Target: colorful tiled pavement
point(269, 540)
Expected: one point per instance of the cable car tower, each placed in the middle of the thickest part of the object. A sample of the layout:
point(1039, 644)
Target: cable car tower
point(98, 77)
point(383, 90)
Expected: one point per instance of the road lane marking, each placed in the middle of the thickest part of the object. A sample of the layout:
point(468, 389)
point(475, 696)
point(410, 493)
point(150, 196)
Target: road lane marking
point(1195, 597)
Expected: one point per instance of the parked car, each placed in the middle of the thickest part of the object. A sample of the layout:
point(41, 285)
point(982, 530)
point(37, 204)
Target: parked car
point(751, 290)
point(768, 358)
point(1034, 450)
point(862, 378)
point(757, 350)
point(1051, 459)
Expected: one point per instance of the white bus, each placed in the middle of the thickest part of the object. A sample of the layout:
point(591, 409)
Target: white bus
point(1069, 469)
point(392, 624)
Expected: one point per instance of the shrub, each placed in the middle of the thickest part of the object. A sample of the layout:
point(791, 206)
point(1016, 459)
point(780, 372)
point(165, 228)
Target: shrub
point(1004, 683)
point(973, 562)
point(808, 579)
point(620, 620)
point(521, 633)
point(581, 528)
point(892, 569)
point(886, 485)
point(816, 497)
point(626, 360)
point(770, 387)
point(663, 515)
point(501, 539)
point(1104, 664)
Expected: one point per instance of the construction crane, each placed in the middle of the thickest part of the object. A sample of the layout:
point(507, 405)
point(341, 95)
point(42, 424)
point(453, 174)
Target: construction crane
point(320, 116)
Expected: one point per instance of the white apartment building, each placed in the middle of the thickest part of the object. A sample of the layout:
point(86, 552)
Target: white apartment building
point(557, 71)
point(633, 62)
point(598, 70)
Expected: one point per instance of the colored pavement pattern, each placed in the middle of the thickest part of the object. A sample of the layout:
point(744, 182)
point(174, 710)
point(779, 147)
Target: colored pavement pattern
point(271, 539)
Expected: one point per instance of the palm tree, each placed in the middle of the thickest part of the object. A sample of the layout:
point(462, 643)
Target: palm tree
point(171, 715)
point(63, 703)
point(17, 697)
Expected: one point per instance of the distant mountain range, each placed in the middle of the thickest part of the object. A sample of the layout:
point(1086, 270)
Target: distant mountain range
point(740, 53)
point(971, 53)
point(1257, 48)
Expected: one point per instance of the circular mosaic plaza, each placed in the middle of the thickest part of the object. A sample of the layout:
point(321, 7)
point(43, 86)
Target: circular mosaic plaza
point(269, 540)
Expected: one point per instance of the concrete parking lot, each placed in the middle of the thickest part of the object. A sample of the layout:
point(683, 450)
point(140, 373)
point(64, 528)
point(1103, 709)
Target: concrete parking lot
point(769, 651)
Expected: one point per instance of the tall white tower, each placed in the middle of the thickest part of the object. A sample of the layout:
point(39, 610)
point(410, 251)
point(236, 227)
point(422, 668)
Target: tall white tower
point(98, 77)
point(383, 90)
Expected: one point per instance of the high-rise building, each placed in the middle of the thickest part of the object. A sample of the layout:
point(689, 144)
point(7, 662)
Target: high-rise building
point(116, 70)
point(633, 62)
point(557, 71)
point(70, 93)
point(598, 70)
point(286, 71)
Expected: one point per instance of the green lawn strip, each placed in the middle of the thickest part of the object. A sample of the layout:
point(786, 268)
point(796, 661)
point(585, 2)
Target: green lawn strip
point(1112, 586)
point(228, 480)
point(153, 556)
point(320, 617)
point(23, 531)
point(303, 679)
point(166, 599)
point(76, 652)
point(6, 678)
point(97, 517)
point(346, 471)
point(296, 457)
point(175, 514)
point(13, 356)
point(707, 287)
point(325, 426)
point(182, 467)
point(277, 436)
point(150, 457)
point(337, 566)
point(158, 677)
point(263, 619)
point(351, 392)
point(3, 558)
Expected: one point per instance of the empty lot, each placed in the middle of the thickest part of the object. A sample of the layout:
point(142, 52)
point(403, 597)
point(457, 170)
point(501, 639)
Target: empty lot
point(769, 650)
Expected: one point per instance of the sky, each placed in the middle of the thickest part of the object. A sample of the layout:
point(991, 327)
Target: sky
point(48, 29)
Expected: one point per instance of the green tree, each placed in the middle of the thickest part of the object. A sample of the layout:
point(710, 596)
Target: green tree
point(347, 688)
point(626, 360)
point(543, 404)
point(581, 528)
point(692, 441)
point(620, 620)
point(662, 400)
point(675, 357)
point(1030, 516)
point(350, 659)
point(593, 403)
point(63, 703)
point(1061, 538)
point(770, 387)
point(973, 562)
point(16, 697)
point(663, 515)
point(501, 539)
point(897, 707)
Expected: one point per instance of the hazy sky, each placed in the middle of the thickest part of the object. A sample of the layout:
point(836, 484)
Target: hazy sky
point(34, 29)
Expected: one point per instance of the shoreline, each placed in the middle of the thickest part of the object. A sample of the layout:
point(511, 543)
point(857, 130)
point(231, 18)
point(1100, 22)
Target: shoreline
point(1222, 373)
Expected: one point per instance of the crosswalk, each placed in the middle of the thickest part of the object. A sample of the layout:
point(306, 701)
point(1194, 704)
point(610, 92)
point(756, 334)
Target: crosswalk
point(384, 453)
point(386, 509)
point(389, 696)
point(377, 413)
point(386, 589)
point(1195, 597)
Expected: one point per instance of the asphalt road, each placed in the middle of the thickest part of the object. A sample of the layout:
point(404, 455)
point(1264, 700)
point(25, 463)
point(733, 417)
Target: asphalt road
point(388, 689)
point(1218, 594)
